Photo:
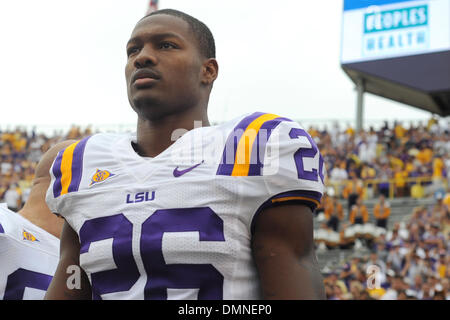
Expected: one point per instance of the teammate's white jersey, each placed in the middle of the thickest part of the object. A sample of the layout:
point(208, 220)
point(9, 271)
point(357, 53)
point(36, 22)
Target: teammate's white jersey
point(28, 257)
point(179, 225)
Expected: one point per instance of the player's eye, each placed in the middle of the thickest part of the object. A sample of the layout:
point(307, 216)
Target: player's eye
point(132, 50)
point(167, 45)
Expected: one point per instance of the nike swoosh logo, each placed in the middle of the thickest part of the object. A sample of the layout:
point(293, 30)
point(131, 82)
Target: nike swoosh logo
point(177, 173)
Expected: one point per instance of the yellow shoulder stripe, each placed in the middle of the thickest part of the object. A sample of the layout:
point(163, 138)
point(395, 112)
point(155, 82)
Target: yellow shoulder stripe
point(66, 168)
point(245, 145)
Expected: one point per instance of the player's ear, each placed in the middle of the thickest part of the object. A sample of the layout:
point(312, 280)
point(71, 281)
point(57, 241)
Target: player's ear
point(210, 70)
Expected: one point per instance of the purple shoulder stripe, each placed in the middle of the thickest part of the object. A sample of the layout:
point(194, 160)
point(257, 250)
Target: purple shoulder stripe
point(1, 229)
point(229, 153)
point(77, 165)
point(56, 169)
point(296, 193)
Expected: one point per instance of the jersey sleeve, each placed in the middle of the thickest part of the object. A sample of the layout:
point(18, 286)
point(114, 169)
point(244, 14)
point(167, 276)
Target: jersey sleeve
point(293, 167)
point(66, 173)
point(273, 160)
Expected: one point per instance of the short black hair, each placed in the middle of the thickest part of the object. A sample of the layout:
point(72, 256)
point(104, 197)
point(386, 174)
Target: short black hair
point(201, 32)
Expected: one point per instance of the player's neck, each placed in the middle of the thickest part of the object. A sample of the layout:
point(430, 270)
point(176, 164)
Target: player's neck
point(153, 137)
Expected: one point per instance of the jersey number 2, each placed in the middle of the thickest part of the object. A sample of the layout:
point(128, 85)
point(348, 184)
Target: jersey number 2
point(304, 152)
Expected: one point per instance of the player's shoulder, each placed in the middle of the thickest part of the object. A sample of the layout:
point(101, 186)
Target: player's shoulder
point(262, 128)
point(257, 121)
point(14, 227)
point(8, 221)
point(92, 144)
point(254, 139)
point(92, 157)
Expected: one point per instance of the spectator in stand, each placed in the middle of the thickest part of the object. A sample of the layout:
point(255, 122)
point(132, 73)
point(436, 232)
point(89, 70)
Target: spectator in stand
point(368, 173)
point(334, 212)
point(395, 258)
point(419, 216)
point(7, 165)
point(413, 266)
point(347, 274)
point(338, 175)
point(393, 291)
point(381, 212)
point(374, 260)
point(329, 292)
point(426, 293)
point(439, 209)
point(414, 233)
point(74, 132)
point(353, 190)
point(356, 290)
point(366, 148)
point(400, 175)
point(333, 281)
point(12, 198)
point(397, 234)
point(439, 294)
point(402, 295)
point(425, 154)
point(385, 176)
point(438, 172)
point(359, 213)
point(416, 285)
point(355, 263)
point(338, 293)
point(434, 238)
point(442, 265)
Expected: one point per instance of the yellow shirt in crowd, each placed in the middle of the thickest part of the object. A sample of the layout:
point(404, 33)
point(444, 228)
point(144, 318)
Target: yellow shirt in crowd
point(425, 155)
point(399, 131)
point(438, 166)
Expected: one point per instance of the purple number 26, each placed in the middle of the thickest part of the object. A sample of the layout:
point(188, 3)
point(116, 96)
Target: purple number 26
point(160, 276)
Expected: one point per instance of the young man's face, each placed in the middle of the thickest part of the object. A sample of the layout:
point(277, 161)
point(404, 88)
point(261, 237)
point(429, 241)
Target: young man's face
point(164, 66)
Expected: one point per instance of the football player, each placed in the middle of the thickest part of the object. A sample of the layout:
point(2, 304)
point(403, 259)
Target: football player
point(223, 212)
point(29, 239)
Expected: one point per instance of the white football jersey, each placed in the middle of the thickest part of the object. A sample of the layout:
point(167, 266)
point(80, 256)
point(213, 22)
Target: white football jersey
point(29, 256)
point(179, 225)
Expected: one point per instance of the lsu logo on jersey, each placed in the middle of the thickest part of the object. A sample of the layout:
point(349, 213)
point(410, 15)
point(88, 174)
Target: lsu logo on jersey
point(100, 176)
point(28, 236)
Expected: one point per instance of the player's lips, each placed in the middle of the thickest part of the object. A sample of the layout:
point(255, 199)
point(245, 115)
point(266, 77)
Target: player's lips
point(143, 78)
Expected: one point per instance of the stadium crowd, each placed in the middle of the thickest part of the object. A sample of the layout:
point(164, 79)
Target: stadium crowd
point(412, 259)
point(362, 163)
point(20, 151)
point(409, 261)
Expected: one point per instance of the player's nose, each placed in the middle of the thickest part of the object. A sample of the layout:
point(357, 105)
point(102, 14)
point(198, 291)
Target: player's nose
point(146, 57)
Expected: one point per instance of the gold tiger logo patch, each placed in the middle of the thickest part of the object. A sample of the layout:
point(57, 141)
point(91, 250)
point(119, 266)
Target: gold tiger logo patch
point(28, 236)
point(100, 176)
